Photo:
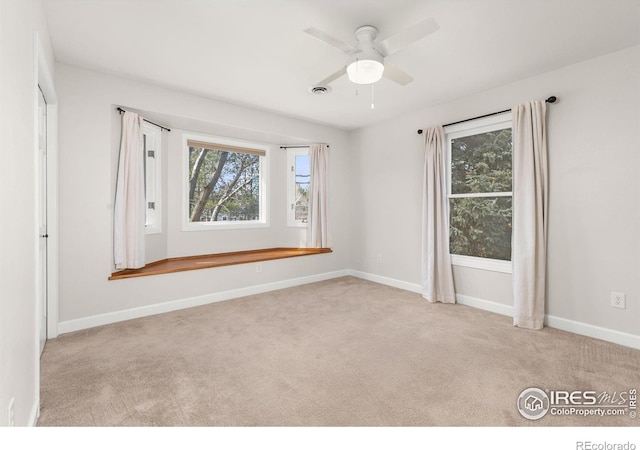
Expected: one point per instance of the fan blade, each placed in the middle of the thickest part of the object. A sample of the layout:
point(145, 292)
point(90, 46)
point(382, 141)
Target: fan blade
point(334, 76)
point(392, 73)
point(327, 39)
point(404, 38)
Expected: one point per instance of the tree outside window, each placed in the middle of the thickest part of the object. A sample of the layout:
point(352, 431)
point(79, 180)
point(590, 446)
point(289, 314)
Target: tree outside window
point(225, 183)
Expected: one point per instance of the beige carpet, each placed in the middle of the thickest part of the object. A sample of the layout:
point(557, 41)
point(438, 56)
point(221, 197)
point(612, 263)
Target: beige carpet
point(344, 352)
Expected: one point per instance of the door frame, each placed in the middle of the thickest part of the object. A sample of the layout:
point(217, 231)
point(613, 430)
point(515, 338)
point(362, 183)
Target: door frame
point(44, 81)
point(42, 289)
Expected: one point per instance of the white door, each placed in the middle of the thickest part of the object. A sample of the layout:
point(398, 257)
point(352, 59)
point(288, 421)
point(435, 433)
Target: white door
point(42, 218)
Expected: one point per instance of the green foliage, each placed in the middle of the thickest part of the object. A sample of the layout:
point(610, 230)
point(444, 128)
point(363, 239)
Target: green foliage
point(236, 193)
point(302, 201)
point(481, 163)
point(481, 226)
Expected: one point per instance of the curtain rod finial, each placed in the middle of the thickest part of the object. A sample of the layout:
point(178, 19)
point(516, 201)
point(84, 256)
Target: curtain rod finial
point(552, 99)
point(419, 131)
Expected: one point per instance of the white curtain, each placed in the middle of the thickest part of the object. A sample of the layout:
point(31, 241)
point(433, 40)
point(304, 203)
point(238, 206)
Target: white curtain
point(437, 276)
point(318, 235)
point(129, 215)
point(530, 214)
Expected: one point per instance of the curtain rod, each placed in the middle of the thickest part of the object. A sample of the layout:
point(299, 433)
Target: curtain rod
point(120, 110)
point(301, 146)
point(551, 99)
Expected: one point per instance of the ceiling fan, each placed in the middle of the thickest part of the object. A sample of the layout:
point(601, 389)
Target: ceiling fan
point(365, 63)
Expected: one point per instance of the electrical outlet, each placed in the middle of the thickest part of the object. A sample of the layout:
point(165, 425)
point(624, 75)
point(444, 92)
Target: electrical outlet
point(618, 300)
point(379, 259)
point(258, 268)
point(10, 413)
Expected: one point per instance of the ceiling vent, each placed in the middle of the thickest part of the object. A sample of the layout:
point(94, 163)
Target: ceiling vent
point(320, 89)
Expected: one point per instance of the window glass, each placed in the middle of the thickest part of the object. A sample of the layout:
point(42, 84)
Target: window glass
point(480, 189)
point(481, 227)
point(298, 186)
point(225, 183)
point(481, 162)
point(302, 175)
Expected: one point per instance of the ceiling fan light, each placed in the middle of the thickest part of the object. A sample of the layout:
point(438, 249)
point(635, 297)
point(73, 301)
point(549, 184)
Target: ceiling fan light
point(365, 71)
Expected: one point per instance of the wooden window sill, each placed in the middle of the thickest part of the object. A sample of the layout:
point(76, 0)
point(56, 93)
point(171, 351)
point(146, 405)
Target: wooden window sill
point(172, 265)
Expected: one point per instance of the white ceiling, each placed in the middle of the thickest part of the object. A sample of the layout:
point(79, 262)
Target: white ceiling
point(255, 53)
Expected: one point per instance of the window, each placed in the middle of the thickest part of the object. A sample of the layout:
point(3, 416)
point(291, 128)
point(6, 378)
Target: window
point(480, 192)
point(224, 183)
point(298, 177)
point(152, 145)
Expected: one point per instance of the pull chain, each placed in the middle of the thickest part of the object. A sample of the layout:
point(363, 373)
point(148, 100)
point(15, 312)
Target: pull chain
point(357, 78)
point(373, 106)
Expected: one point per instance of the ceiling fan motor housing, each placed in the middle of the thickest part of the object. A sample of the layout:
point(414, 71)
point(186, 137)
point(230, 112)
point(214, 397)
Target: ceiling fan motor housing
point(366, 33)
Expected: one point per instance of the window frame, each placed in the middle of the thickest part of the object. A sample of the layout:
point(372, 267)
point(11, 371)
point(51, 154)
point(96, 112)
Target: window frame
point(187, 225)
point(153, 184)
point(496, 122)
point(291, 185)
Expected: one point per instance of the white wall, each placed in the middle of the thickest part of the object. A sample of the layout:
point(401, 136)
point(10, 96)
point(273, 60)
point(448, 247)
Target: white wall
point(19, 19)
point(87, 176)
point(594, 225)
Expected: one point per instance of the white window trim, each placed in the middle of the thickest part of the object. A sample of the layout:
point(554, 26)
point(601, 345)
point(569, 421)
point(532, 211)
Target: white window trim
point(154, 189)
point(494, 265)
point(187, 225)
point(484, 125)
point(291, 186)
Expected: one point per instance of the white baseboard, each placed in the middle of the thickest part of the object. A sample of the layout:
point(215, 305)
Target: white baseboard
point(143, 311)
point(498, 308)
point(584, 329)
point(405, 285)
